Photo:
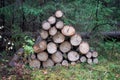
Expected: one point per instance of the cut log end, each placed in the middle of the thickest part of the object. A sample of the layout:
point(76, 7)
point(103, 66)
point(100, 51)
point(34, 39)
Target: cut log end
point(52, 20)
point(65, 63)
point(42, 56)
point(59, 25)
point(52, 31)
point(51, 48)
point(84, 47)
point(44, 34)
point(83, 59)
point(46, 25)
point(48, 63)
point(59, 14)
point(73, 56)
point(58, 38)
point(65, 46)
point(35, 63)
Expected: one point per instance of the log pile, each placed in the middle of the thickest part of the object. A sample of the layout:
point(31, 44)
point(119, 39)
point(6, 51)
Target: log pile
point(60, 44)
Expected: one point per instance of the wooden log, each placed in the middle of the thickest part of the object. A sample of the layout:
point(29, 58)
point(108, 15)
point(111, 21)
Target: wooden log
point(89, 54)
point(42, 56)
point(83, 59)
point(51, 48)
point(52, 31)
point(73, 56)
point(95, 60)
point(14, 60)
point(65, 63)
point(68, 30)
point(59, 25)
point(48, 63)
point(73, 63)
point(89, 61)
point(84, 47)
point(75, 40)
point(58, 38)
point(35, 63)
point(44, 34)
point(40, 47)
point(58, 13)
point(52, 20)
point(94, 54)
point(46, 25)
point(65, 46)
point(57, 57)
point(33, 56)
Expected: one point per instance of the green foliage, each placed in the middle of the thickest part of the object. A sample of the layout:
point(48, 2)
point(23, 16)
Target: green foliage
point(28, 46)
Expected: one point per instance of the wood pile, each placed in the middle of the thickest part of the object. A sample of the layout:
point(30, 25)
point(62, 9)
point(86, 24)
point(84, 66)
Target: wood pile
point(60, 44)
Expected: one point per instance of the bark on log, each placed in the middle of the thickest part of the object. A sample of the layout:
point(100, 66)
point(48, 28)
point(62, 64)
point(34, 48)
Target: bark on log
point(58, 38)
point(73, 56)
point(84, 47)
point(40, 47)
point(52, 20)
point(68, 30)
point(44, 34)
point(51, 48)
point(83, 59)
point(42, 56)
point(75, 40)
point(59, 14)
point(52, 31)
point(35, 63)
point(57, 57)
point(65, 63)
point(48, 63)
point(46, 25)
point(59, 25)
point(65, 46)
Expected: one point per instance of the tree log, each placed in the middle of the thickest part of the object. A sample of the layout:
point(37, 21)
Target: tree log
point(75, 40)
point(89, 61)
point(52, 31)
point(44, 34)
point(57, 57)
point(95, 60)
point(46, 25)
point(83, 59)
point(94, 54)
point(65, 63)
point(59, 25)
point(51, 48)
point(48, 63)
point(42, 56)
point(59, 14)
point(40, 47)
point(84, 47)
point(65, 46)
point(73, 56)
point(68, 30)
point(33, 56)
point(52, 20)
point(89, 55)
point(35, 63)
point(58, 38)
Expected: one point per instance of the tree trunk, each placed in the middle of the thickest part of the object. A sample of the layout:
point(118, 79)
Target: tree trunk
point(52, 20)
point(84, 47)
point(51, 48)
point(59, 25)
point(35, 63)
point(46, 25)
point(42, 56)
point(59, 14)
point(75, 40)
point(52, 31)
point(58, 38)
point(73, 56)
point(65, 46)
point(44, 34)
point(48, 63)
point(57, 57)
point(68, 30)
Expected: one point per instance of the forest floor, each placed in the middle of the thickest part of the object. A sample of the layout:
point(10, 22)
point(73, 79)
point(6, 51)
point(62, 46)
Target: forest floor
point(105, 70)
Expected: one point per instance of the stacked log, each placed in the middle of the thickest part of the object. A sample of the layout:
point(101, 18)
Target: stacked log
point(60, 44)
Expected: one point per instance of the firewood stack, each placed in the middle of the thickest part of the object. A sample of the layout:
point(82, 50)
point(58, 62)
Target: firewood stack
point(60, 44)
